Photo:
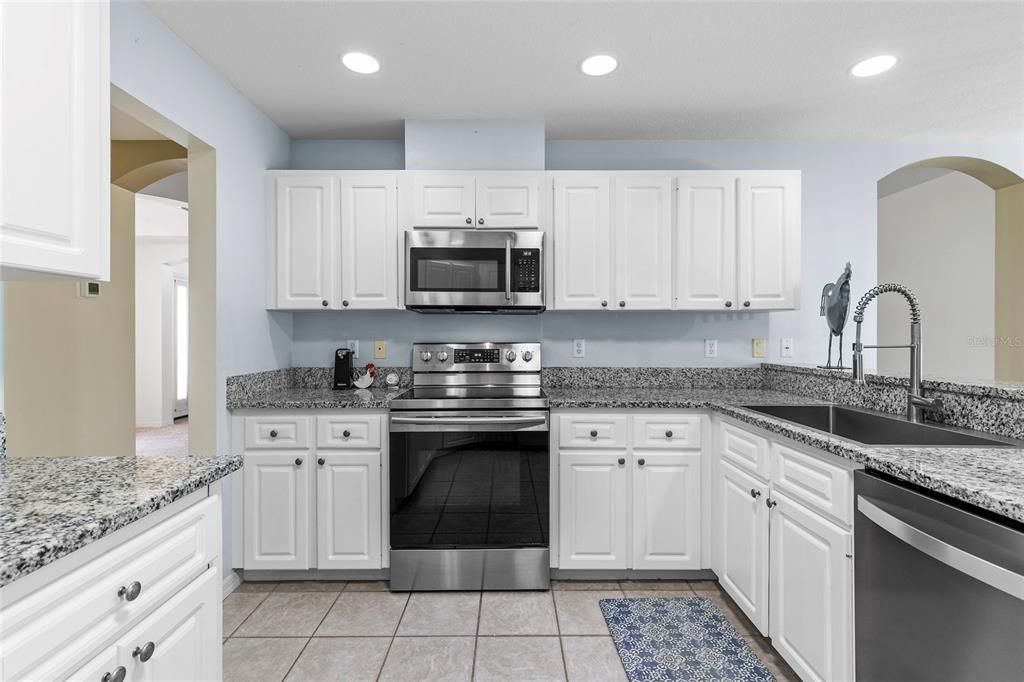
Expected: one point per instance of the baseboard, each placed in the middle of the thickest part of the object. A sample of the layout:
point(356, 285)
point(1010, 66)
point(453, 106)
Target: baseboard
point(231, 582)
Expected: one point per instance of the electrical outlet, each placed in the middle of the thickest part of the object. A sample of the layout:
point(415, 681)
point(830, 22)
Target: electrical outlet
point(759, 347)
point(380, 350)
point(579, 348)
point(711, 348)
point(786, 347)
point(353, 346)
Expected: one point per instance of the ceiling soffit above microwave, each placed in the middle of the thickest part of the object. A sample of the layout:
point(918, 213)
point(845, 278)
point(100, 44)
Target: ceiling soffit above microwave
point(686, 69)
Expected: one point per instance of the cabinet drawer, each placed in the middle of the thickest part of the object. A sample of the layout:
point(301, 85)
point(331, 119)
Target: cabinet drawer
point(821, 485)
point(276, 433)
point(675, 432)
point(49, 631)
point(348, 431)
point(597, 431)
point(744, 449)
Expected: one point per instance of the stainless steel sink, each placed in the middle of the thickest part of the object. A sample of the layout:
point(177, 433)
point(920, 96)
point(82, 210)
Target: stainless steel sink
point(875, 428)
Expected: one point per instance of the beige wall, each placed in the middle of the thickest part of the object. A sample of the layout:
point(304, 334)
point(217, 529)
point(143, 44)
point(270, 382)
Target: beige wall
point(938, 238)
point(70, 361)
point(1010, 283)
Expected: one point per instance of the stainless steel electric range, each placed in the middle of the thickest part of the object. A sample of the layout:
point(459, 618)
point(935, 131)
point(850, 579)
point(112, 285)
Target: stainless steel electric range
point(470, 470)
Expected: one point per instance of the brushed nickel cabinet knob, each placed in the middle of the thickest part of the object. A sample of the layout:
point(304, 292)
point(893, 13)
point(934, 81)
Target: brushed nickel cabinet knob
point(131, 592)
point(117, 675)
point(298, 461)
point(144, 652)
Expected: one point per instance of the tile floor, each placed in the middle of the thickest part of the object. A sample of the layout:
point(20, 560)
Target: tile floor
point(360, 631)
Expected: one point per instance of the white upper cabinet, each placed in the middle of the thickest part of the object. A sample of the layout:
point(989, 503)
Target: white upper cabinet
point(582, 232)
point(508, 201)
point(768, 240)
point(306, 227)
point(444, 200)
point(369, 242)
point(706, 241)
point(55, 138)
point(643, 243)
point(486, 200)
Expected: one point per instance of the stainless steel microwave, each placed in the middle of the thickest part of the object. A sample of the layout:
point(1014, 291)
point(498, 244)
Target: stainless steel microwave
point(470, 271)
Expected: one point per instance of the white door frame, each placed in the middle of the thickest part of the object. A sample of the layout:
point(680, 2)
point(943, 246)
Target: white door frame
point(180, 408)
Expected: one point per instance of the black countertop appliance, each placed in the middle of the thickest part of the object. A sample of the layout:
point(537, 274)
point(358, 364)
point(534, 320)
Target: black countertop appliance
point(342, 369)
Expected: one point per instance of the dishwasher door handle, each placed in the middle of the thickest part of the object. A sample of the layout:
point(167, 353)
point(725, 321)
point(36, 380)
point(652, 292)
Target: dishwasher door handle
point(987, 572)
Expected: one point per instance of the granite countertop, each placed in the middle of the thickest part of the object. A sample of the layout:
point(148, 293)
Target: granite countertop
point(52, 506)
point(317, 398)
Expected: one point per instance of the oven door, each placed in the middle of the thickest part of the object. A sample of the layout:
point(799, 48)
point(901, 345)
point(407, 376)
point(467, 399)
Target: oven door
point(469, 480)
point(467, 270)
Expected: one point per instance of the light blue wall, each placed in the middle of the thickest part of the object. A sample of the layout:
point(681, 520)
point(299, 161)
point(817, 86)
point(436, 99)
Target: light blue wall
point(347, 155)
point(613, 339)
point(474, 145)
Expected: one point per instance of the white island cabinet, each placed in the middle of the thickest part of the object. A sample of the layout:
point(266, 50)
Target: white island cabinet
point(143, 603)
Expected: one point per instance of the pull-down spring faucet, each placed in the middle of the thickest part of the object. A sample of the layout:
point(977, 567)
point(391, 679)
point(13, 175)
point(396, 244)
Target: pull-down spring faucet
point(917, 404)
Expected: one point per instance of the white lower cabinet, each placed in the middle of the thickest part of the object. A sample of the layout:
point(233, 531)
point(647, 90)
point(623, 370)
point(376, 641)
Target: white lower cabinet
point(786, 563)
point(592, 510)
point(278, 497)
point(623, 506)
point(743, 541)
point(319, 507)
point(666, 510)
point(811, 586)
point(348, 499)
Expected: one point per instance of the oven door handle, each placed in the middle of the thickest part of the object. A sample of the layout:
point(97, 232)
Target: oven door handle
point(496, 421)
point(987, 572)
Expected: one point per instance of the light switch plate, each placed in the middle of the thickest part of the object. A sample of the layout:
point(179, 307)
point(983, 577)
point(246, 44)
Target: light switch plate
point(786, 347)
point(711, 348)
point(353, 346)
point(758, 348)
point(579, 348)
point(380, 350)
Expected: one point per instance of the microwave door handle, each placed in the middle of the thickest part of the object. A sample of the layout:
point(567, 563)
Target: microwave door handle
point(508, 269)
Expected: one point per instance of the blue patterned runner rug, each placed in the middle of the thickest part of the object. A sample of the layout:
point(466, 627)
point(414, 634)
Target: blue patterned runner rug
point(684, 638)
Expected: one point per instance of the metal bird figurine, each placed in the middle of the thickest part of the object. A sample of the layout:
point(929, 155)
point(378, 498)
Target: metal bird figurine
point(835, 308)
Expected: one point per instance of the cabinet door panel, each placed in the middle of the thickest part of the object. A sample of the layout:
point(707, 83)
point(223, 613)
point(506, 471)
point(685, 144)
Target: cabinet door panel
point(277, 510)
point(768, 242)
point(55, 138)
point(811, 592)
point(666, 510)
point(444, 200)
point(369, 242)
point(643, 243)
point(306, 225)
point(582, 244)
point(508, 201)
point(185, 632)
point(706, 242)
point(592, 510)
point(743, 541)
point(349, 510)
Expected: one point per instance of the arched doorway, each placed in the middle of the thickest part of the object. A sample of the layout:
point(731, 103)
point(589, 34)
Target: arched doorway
point(952, 229)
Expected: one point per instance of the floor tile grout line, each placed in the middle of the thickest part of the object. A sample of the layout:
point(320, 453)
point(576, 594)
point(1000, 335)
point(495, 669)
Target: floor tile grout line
point(303, 650)
point(558, 629)
point(476, 639)
point(394, 635)
point(248, 616)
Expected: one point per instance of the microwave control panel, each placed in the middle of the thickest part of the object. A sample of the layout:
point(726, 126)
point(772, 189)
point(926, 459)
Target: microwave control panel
point(526, 268)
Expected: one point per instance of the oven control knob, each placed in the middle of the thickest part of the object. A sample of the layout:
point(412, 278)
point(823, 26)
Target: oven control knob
point(510, 356)
point(527, 355)
point(425, 356)
point(442, 356)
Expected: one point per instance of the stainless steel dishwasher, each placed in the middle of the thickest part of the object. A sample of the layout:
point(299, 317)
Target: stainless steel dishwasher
point(939, 587)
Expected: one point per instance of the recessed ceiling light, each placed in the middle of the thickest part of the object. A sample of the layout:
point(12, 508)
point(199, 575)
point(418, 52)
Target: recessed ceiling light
point(599, 65)
point(360, 62)
point(873, 66)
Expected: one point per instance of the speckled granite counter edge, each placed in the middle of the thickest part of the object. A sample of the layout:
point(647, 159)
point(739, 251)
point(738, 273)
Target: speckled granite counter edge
point(65, 541)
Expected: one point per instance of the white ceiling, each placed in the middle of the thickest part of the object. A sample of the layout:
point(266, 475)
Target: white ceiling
point(687, 69)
